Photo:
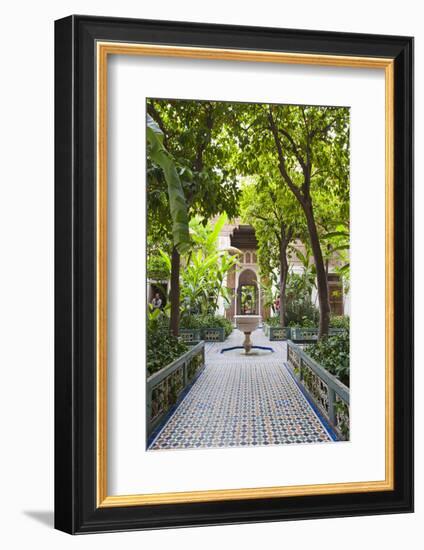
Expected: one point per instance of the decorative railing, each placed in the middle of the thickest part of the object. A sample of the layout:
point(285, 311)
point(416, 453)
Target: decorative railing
point(164, 388)
point(329, 395)
point(190, 336)
point(216, 334)
point(310, 335)
point(276, 333)
point(193, 336)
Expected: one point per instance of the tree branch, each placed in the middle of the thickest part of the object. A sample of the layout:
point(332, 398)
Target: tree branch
point(282, 160)
point(323, 130)
point(294, 147)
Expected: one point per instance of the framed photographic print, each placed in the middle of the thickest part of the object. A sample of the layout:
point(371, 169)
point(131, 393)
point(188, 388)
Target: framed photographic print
point(234, 262)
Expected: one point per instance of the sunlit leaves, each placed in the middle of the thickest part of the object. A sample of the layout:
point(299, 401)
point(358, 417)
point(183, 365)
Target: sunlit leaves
point(177, 202)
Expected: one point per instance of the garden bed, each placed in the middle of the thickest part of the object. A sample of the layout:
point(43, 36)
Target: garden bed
point(327, 392)
point(166, 386)
point(212, 328)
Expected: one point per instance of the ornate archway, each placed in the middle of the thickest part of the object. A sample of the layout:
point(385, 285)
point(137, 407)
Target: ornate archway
point(247, 293)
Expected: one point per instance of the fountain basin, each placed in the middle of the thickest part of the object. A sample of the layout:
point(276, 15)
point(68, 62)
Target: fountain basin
point(247, 324)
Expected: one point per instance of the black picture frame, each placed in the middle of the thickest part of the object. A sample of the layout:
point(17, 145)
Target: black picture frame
point(76, 508)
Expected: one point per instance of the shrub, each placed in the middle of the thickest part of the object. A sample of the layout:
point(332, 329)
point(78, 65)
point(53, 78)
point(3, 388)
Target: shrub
point(162, 348)
point(340, 321)
point(332, 353)
point(301, 312)
point(273, 321)
point(207, 321)
point(303, 322)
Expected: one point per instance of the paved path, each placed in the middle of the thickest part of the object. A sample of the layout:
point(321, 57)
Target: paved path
point(241, 400)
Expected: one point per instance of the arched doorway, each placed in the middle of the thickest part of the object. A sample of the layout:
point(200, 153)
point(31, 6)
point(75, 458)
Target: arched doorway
point(247, 293)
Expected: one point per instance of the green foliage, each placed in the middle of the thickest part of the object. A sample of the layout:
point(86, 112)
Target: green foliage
point(177, 202)
point(204, 235)
point(205, 269)
point(269, 292)
point(162, 347)
point(308, 320)
point(207, 321)
point(332, 353)
point(299, 321)
point(300, 311)
point(158, 265)
point(273, 321)
point(274, 214)
point(336, 246)
point(292, 160)
point(197, 134)
point(307, 150)
point(302, 283)
point(340, 321)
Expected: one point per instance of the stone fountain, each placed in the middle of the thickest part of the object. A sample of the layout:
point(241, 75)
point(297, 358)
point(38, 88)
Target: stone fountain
point(247, 324)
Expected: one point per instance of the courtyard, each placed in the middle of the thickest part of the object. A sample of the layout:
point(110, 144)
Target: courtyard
point(248, 274)
point(241, 400)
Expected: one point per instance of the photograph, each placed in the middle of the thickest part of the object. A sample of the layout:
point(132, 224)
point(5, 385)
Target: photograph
point(247, 274)
point(233, 260)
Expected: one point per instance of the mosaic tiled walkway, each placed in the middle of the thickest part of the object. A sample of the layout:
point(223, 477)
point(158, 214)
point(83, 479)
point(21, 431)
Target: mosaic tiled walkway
point(242, 401)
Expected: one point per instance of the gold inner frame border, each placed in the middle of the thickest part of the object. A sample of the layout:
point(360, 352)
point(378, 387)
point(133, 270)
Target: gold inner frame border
point(103, 50)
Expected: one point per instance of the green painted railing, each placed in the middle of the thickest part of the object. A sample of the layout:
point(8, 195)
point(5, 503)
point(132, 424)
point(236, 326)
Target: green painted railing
point(276, 333)
point(327, 392)
point(216, 334)
point(190, 336)
point(164, 388)
point(310, 335)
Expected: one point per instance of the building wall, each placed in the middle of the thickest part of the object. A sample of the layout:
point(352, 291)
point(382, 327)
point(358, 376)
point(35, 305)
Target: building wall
point(249, 259)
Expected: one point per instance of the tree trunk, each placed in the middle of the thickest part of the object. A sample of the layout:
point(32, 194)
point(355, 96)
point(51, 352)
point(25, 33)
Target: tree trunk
point(324, 303)
point(283, 281)
point(175, 292)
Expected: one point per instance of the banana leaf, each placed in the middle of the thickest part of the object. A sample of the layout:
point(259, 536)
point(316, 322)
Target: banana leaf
point(177, 202)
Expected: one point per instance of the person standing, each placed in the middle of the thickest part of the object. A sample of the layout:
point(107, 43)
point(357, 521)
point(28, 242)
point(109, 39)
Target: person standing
point(157, 301)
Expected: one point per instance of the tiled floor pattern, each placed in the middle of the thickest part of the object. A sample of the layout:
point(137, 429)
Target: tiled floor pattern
point(242, 401)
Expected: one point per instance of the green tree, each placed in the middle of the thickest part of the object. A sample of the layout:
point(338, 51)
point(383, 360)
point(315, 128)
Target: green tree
point(309, 149)
point(197, 135)
point(313, 159)
point(274, 214)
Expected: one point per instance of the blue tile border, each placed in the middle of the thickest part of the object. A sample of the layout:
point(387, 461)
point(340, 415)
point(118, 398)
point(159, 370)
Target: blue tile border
point(172, 410)
point(185, 428)
point(331, 432)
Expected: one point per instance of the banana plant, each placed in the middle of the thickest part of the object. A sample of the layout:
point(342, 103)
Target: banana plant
point(177, 201)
